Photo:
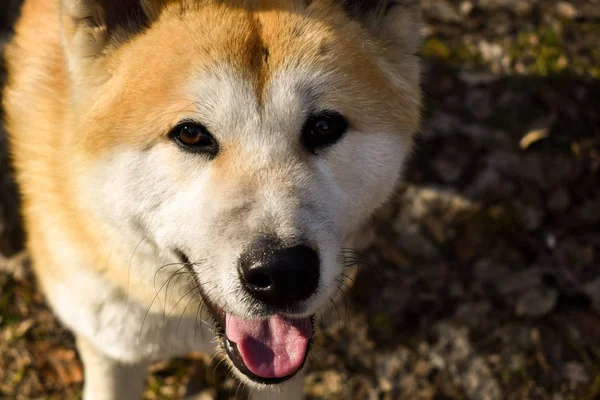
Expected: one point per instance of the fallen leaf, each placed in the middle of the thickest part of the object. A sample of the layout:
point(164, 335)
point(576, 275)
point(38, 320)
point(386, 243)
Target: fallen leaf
point(65, 364)
point(532, 137)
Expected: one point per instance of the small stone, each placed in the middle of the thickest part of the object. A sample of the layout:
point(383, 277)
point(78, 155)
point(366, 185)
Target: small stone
point(480, 382)
point(448, 168)
point(422, 368)
point(536, 302)
point(520, 68)
point(395, 256)
point(533, 171)
point(523, 281)
point(559, 200)
point(566, 10)
point(473, 313)
point(442, 11)
point(494, 4)
point(490, 51)
point(15, 265)
point(363, 239)
point(385, 385)
point(576, 374)
point(390, 365)
point(409, 385)
point(591, 10)
point(592, 289)
point(506, 62)
point(530, 208)
point(546, 169)
point(491, 186)
point(479, 103)
point(207, 394)
point(489, 272)
point(500, 24)
point(532, 217)
point(456, 290)
point(516, 363)
point(437, 361)
point(479, 78)
point(590, 210)
point(522, 8)
point(465, 8)
point(550, 241)
point(325, 383)
point(456, 155)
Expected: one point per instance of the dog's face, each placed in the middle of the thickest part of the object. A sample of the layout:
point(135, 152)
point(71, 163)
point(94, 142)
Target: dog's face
point(250, 139)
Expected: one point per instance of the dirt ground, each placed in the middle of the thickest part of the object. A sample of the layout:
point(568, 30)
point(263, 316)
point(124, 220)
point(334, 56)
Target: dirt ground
point(480, 279)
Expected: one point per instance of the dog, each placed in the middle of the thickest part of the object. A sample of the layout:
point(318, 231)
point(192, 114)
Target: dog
point(190, 170)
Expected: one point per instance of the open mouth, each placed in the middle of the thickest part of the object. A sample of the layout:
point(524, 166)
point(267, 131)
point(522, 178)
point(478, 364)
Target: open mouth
point(267, 350)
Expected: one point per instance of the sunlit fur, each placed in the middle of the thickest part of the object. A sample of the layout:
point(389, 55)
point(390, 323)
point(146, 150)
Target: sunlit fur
point(109, 199)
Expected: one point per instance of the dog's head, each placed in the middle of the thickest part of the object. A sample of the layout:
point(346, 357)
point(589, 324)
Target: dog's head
point(248, 137)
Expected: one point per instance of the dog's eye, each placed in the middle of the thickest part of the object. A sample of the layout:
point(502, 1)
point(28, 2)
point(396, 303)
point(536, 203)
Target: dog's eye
point(195, 137)
point(323, 130)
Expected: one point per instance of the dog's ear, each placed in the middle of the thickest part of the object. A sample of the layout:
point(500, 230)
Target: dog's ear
point(396, 21)
point(89, 27)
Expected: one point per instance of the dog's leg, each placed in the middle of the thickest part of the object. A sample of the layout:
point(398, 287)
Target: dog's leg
point(291, 390)
point(108, 379)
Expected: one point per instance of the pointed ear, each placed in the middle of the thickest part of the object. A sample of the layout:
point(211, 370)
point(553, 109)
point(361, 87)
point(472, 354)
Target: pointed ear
point(396, 21)
point(89, 27)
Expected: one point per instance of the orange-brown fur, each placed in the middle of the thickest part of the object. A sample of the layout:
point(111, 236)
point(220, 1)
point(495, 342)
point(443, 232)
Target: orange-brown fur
point(76, 92)
point(40, 99)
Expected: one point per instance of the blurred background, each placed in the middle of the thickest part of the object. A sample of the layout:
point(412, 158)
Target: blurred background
point(480, 279)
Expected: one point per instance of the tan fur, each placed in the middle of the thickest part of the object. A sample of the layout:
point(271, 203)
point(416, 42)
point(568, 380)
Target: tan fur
point(76, 92)
point(49, 139)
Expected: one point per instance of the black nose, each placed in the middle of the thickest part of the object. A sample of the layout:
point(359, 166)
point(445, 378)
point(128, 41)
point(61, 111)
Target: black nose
point(280, 277)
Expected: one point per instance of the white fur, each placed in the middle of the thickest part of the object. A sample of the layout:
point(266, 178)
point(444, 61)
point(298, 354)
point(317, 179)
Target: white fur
point(162, 199)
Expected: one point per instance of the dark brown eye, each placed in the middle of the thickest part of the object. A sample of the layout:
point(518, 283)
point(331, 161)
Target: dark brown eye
point(195, 137)
point(323, 130)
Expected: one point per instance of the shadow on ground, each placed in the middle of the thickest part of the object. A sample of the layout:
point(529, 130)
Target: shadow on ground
point(479, 280)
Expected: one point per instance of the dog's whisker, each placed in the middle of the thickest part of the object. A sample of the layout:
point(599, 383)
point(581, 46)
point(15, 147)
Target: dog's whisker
point(184, 273)
point(199, 311)
point(237, 390)
point(180, 300)
point(345, 284)
point(184, 310)
point(164, 266)
point(357, 261)
point(167, 282)
point(342, 290)
point(153, 300)
point(216, 367)
point(336, 309)
point(199, 308)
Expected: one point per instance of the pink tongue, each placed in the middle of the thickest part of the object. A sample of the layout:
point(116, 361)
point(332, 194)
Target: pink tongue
point(273, 347)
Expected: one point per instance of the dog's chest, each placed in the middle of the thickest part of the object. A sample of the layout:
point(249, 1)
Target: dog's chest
point(124, 329)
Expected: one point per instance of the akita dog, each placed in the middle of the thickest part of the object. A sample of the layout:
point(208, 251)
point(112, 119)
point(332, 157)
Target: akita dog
point(190, 169)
